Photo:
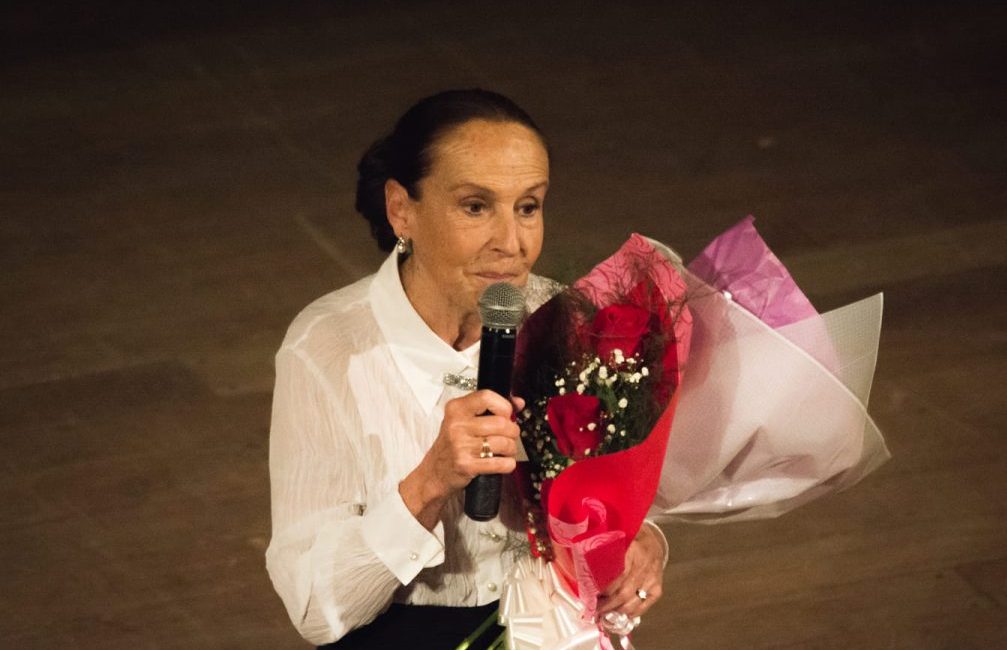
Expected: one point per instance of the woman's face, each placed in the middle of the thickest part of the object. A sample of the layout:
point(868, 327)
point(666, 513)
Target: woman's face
point(478, 219)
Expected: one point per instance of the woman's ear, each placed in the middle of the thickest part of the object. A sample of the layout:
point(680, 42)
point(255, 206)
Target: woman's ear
point(398, 208)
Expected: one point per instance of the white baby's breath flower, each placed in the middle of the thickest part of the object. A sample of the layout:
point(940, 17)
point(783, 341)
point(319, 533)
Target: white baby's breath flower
point(617, 353)
point(560, 382)
point(610, 428)
point(580, 389)
point(603, 372)
point(644, 371)
point(562, 391)
point(623, 403)
point(636, 376)
point(591, 426)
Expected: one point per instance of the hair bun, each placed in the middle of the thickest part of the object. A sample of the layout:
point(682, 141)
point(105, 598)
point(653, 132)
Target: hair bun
point(373, 170)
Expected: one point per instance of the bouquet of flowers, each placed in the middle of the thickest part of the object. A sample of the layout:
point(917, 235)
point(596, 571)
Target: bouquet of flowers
point(600, 364)
point(768, 413)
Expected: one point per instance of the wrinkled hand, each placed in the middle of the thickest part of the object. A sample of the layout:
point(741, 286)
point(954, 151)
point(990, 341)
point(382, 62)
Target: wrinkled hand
point(453, 459)
point(644, 570)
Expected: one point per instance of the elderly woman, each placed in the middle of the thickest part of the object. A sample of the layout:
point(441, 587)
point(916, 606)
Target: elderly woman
point(370, 448)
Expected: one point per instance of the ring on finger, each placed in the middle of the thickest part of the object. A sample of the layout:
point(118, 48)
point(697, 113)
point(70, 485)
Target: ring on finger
point(486, 452)
point(641, 594)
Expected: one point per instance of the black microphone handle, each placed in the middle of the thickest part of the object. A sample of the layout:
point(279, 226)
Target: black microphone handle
point(482, 497)
point(496, 365)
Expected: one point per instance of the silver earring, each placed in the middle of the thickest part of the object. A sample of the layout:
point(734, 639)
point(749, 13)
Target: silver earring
point(402, 246)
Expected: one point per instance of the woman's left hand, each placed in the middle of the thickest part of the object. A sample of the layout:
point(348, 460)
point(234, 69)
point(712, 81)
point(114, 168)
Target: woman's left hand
point(644, 573)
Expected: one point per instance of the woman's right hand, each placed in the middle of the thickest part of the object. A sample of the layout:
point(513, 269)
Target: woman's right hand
point(454, 458)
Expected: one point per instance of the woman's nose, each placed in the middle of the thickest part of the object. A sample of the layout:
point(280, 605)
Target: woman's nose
point(506, 234)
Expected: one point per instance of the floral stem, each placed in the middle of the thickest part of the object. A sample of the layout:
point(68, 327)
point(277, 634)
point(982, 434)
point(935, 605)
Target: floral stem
point(499, 642)
point(485, 625)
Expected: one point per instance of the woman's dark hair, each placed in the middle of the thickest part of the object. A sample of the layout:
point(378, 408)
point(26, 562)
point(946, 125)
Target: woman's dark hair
point(406, 153)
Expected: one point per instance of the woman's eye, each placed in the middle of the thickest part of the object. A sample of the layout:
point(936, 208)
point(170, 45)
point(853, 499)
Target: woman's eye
point(528, 210)
point(475, 209)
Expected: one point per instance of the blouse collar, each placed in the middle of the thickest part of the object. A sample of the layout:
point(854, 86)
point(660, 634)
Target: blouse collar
point(422, 357)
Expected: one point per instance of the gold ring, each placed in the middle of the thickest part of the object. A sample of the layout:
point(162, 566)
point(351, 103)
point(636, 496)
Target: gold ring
point(641, 594)
point(486, 452)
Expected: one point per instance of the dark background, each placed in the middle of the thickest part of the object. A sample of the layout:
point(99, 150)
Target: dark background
point(176, 182)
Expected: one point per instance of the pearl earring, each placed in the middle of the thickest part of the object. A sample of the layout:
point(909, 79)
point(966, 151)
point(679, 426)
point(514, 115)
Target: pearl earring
point(402, 246)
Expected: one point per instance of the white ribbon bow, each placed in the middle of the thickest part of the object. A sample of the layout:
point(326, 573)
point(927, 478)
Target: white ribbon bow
point(541, 614)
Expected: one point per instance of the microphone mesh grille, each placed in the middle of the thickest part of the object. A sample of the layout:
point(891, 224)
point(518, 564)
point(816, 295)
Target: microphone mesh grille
point(501, 306)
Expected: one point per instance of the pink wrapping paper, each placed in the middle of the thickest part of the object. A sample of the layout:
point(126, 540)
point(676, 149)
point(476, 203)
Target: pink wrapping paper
point(740, 262)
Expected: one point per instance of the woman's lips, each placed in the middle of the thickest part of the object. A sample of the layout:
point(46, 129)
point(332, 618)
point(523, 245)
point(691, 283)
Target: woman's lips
point(497, 277)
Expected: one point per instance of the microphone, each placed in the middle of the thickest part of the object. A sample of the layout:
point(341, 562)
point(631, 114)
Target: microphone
point(502, 308)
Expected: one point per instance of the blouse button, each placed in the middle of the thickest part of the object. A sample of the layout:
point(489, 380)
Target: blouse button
point(414, 556)
point(492, 586)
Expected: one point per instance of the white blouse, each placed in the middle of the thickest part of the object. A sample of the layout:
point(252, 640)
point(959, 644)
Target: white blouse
point(359, 399)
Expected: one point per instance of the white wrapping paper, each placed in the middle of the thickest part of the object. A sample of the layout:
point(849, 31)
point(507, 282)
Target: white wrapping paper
point(769, 419)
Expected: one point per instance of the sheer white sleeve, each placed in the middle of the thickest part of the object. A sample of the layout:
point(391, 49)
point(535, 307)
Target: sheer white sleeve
point(337, 554)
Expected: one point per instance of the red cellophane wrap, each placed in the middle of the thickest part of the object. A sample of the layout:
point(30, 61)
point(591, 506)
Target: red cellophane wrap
point(595, 507)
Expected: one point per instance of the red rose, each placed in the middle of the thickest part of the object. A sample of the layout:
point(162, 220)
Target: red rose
point(569, 417)
point(619, 327)
point(647, 295)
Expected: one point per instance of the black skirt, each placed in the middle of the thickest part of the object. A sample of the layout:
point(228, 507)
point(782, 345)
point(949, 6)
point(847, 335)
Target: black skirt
point(422, 627)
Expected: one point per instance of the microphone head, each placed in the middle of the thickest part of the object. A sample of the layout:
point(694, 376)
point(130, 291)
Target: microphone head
point(501, 306)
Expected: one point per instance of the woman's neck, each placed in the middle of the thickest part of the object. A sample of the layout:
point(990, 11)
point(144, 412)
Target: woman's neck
point(457, 326)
